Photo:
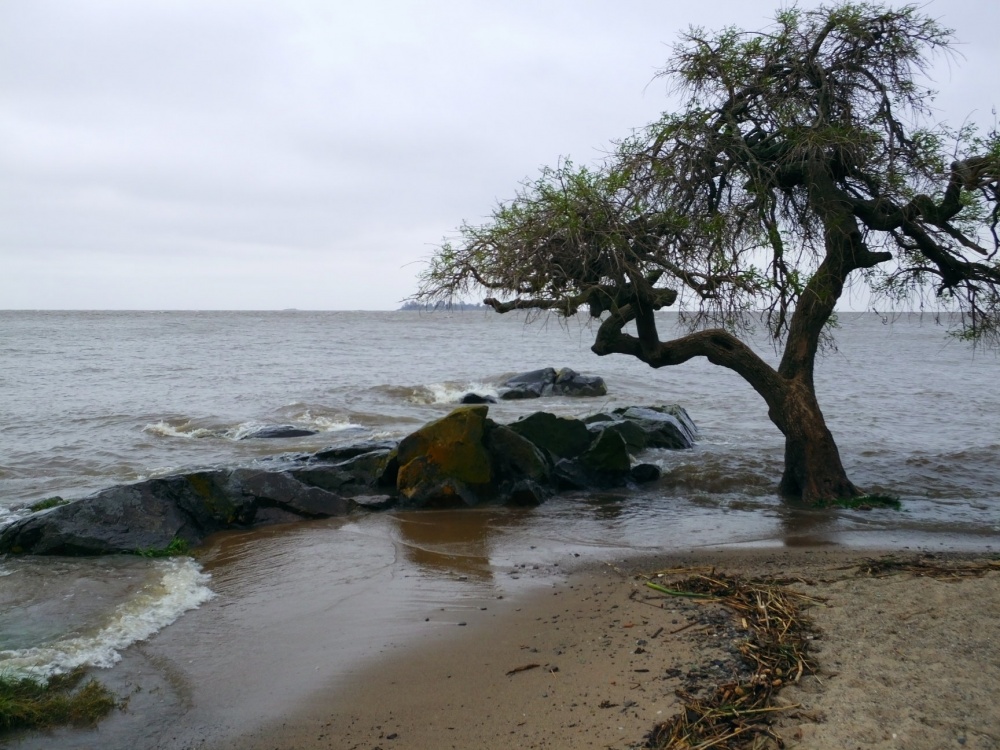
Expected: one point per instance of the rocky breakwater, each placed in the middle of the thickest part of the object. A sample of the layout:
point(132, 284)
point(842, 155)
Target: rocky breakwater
point(462, 459)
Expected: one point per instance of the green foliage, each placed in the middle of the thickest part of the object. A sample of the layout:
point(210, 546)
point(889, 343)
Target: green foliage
point(721, 202)
point(49, 502)
point(803, 159)
point(27, 703)
point(176, 547)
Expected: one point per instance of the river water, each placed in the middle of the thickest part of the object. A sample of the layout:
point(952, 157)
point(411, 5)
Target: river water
point(91, 399)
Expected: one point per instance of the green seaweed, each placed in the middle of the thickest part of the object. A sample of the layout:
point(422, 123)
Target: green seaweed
point(49, 502)
point(176, 547)
point(26, 703)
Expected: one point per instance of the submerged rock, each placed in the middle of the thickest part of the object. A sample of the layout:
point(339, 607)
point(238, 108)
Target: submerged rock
point(644, 473)
point(278, 431)
point(550, 382)
point(475, 398)
point(571, 383)
point(343, 452)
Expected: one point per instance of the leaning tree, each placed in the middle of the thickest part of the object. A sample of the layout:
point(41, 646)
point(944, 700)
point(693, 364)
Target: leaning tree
point(796, 166)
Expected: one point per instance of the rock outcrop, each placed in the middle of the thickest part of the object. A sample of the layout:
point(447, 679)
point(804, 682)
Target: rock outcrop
point(560, 437)
point(462, 459)
point(643, 427)
point(148, 516)
point(446, 460)
point(549, 382)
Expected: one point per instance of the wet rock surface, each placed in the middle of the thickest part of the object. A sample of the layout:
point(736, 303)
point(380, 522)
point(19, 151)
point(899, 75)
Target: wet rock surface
point(278, 431)
point(551, 382)
point(463, 459)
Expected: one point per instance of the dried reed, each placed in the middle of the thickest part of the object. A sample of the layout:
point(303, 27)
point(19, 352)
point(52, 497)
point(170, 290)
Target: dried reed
point(738, 715)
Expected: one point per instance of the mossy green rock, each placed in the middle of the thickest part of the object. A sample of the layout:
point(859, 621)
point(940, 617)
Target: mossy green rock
point(562, 437)
point(446, 461)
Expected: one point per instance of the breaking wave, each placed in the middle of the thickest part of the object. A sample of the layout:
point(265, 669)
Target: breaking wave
point(179, 430)
point(448, 392)
point(181, 587)
point(190, 431)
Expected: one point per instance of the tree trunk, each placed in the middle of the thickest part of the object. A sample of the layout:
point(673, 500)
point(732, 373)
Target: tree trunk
point(813, 469)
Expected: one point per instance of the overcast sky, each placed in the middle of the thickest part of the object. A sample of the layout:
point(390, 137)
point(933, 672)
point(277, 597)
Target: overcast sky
point(214, 154)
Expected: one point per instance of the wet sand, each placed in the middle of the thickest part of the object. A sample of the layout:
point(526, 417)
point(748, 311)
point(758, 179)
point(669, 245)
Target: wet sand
point(908, 662)
point(487, 629)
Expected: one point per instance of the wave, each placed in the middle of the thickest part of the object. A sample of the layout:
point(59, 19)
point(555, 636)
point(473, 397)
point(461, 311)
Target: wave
point(9, 515)
point(179, 430)
point(716, 475)
point(190, 431)
point(445, 392)
point(317, 417)
point(182, 586)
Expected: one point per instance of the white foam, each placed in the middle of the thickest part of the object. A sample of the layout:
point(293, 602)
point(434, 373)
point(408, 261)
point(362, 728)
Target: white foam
point(243, 429)
point(9, 515)
point(182, 586)
point(450, 393)
point(329, 424)
point(186, 430)
point(158, 471)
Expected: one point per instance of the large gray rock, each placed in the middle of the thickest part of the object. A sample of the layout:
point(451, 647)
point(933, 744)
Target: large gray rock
point(607, 455)
point(282, 490)
point(146, 515)
point(642, 427)
point(606, 463)
point(571, 383)
point(529, 384)
point(560, 437)
point(356, 475)
point(516, 457)
point(635, 437)
point(549, 382)
point(150, 515)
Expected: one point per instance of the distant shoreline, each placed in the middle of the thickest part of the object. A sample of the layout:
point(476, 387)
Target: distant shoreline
point(449, 306)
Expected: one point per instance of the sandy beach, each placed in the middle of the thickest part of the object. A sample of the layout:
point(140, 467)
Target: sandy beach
point(906, 661)
point(305, 648)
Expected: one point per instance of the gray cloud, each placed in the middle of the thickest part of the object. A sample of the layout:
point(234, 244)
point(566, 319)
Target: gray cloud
point(305, 154)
